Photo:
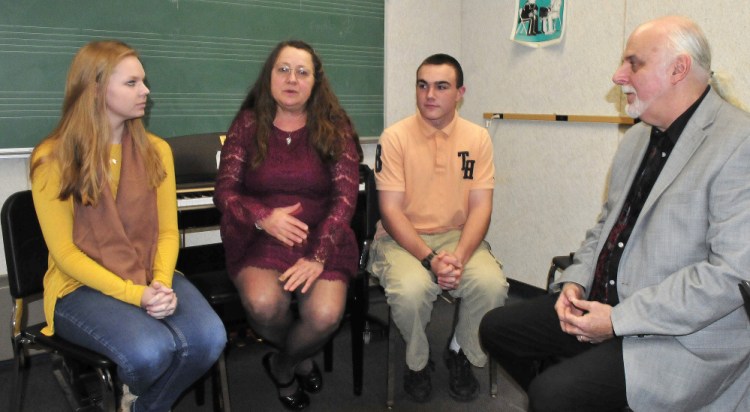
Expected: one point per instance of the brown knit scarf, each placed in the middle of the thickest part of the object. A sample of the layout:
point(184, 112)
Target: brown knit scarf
point(121, 234)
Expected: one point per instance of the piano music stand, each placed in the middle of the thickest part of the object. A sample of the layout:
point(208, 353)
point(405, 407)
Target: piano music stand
point(195, 159)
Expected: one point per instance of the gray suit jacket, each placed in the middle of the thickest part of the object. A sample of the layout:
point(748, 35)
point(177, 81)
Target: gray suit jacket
point(686, 339)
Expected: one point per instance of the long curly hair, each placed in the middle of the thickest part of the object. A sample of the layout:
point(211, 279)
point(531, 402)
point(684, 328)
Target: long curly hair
point(82, 137)
point(327, 121)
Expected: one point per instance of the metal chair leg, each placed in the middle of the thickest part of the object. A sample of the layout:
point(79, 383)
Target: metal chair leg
point(199, 388)
point(221, 385)
point(109, 391)
point(328, 356)
point(71, 377)
point(391, 377)
point(493, 377)
point(19, 372)
point(357, 326)
point(65, 377)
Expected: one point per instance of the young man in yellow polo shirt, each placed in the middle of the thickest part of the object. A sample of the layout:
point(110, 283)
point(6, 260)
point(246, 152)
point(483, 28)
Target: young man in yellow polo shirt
point(435, 180)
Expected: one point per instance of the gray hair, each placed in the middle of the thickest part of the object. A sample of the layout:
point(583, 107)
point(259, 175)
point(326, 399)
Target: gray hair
point(688, 38)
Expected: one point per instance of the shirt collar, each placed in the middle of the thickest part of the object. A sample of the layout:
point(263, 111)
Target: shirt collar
point(675, 129)
point(428, 130)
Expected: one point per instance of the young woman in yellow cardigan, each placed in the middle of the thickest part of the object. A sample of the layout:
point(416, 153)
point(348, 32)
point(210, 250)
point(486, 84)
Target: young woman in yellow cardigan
point(104, 192)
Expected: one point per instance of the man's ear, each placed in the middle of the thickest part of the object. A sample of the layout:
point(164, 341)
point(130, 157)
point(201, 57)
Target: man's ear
point(460, 94)
point(680, 68)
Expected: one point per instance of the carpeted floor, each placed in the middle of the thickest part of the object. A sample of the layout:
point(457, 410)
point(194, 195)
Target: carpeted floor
point(251, 390)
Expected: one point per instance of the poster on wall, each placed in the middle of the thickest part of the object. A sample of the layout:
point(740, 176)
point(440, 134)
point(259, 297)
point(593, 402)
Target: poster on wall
point(538, 23)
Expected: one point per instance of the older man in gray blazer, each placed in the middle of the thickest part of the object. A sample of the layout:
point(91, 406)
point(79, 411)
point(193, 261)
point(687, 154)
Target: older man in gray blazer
point(649, 314)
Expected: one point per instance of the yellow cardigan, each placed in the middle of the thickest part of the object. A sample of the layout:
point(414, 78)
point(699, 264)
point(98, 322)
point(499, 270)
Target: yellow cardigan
point(69, 268)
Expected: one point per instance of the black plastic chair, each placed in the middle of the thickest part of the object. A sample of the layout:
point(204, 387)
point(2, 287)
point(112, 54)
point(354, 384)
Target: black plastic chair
point(26, 258)
point(363, 223)
point(558, 264)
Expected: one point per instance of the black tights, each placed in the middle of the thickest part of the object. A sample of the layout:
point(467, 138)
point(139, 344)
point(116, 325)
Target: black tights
point(269, 311)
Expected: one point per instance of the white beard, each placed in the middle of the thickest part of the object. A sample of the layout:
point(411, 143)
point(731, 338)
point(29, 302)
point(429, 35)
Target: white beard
point(636, 108)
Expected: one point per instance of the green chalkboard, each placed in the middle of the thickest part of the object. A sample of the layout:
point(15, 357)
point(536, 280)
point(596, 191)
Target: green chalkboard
point(200, 56)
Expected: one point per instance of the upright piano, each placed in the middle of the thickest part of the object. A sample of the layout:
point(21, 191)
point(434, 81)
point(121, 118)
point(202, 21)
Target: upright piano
point(196, 160)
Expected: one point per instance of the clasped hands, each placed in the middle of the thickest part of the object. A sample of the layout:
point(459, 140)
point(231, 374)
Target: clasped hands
point(158, 300)
point(448, 270)
point(287, 229)
point(587, 320)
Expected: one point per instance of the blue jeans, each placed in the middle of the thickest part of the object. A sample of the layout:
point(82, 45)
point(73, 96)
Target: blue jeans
point(157, 358)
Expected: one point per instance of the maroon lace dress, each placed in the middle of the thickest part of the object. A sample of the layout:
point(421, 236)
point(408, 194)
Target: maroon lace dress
point(292, 172)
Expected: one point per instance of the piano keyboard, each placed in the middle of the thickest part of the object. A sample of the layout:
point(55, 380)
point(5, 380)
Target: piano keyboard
point(205, 198)
point(195, 199)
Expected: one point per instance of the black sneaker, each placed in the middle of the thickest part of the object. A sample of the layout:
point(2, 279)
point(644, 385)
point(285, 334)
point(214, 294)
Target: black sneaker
point(417, 384)
point(462, 385)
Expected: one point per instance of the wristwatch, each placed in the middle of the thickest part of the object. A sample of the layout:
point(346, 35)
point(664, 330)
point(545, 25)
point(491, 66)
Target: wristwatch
point(426, 262)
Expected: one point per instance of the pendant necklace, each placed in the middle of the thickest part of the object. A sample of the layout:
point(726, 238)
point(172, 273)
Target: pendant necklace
point(288, 139)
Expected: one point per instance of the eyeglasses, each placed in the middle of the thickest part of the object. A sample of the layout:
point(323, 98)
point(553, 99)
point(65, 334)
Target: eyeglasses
point(299, 72)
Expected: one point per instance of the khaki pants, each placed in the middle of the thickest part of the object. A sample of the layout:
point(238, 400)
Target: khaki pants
point(411, 290)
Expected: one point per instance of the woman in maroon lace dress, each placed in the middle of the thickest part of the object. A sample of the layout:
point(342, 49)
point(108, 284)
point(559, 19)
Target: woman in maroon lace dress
point(287, 188)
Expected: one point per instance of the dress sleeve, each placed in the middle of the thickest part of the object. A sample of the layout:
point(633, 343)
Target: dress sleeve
point(345, 175)
point(229, 195)
point(56, 220)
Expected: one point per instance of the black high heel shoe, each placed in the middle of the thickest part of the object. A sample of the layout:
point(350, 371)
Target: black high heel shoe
point(294, 402)
point(312, 382)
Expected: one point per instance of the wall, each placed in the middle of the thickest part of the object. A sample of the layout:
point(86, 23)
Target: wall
point(415, 29)
point(14, 172)
point(550, 175)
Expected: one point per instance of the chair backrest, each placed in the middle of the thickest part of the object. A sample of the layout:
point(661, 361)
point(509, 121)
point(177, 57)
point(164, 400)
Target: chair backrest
point(367, 213)
point(25, 251)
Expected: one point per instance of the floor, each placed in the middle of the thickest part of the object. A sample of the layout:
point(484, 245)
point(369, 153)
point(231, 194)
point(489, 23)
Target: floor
point(250, 389)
